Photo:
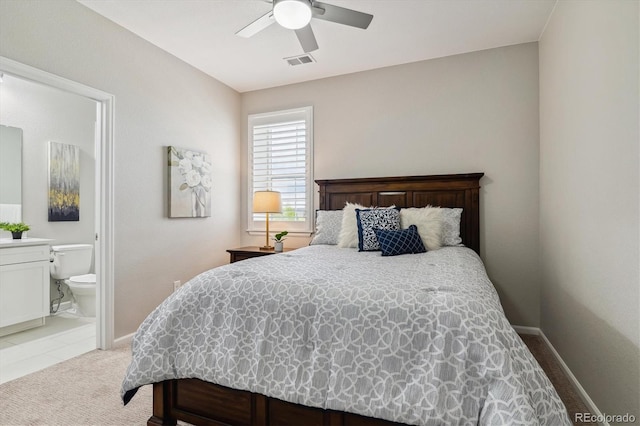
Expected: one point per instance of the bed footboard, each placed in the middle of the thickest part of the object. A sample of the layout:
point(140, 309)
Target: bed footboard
point(202, 403)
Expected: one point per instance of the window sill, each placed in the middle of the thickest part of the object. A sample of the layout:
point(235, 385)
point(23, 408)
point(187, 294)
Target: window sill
point(275, 231)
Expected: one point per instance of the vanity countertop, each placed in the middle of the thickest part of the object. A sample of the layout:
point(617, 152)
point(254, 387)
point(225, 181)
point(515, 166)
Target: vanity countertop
point(9, 242)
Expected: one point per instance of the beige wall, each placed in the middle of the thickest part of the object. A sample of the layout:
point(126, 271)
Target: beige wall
point(476, 112)
point(589, 196)
point(159, 101)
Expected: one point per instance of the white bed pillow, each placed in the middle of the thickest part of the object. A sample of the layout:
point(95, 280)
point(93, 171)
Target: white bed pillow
point(429, 221)
point(328, 224)
point(451, 227)
point(348, 236)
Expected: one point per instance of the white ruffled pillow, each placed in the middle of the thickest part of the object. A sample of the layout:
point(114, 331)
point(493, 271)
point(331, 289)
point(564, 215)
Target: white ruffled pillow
point(348, 236)
point(429, 221)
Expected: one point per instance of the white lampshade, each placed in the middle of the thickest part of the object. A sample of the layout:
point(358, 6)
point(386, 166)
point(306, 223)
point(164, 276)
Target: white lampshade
point(267, 202)
point(292, 14)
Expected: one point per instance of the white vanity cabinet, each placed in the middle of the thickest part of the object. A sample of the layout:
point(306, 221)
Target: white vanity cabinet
point(24, 284)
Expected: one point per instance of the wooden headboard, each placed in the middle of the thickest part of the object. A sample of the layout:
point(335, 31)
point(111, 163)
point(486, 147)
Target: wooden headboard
point(459, 190)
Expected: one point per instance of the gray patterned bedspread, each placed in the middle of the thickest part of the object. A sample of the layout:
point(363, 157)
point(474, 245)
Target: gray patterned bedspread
point(417, 338)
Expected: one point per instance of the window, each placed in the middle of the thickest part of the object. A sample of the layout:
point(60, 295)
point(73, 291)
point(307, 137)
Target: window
point(280, 159)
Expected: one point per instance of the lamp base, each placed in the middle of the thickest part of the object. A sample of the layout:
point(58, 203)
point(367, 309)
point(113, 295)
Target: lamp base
point(266, 248)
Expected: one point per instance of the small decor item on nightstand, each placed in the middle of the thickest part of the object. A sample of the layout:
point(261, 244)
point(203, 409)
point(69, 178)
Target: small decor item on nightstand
point(279, 238)
point(16, 229)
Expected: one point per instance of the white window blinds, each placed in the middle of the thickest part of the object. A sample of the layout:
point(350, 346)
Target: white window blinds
point(280, 148)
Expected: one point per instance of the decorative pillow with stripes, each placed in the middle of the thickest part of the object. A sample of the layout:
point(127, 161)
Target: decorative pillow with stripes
point(393, 243)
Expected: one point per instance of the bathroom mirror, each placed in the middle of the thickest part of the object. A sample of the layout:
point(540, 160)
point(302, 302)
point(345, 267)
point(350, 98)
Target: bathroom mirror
point(10, 174)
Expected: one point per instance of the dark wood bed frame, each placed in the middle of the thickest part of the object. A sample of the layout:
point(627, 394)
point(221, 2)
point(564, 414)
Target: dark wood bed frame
point(203, 403)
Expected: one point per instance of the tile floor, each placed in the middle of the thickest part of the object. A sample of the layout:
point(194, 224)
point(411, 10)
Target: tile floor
point(63, 336)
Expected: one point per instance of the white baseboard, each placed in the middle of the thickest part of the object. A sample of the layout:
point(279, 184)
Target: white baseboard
point(574, 381)
point(527, 330)
point(123, 341)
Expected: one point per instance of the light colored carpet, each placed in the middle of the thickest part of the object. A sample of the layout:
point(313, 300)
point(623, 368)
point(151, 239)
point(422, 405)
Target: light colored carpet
point(81, 391)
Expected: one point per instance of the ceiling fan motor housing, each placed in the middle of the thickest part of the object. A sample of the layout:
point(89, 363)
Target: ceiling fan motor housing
point(292, 14)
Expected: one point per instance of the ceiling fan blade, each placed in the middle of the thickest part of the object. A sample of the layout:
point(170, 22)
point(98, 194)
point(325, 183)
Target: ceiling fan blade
point(341, 15)
point(258, 25)
point(307, 39)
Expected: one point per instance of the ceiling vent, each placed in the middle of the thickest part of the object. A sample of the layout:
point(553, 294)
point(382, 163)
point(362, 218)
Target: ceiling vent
point(299, 60)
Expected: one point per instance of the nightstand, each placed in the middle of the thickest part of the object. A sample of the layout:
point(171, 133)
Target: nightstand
point(243, 253)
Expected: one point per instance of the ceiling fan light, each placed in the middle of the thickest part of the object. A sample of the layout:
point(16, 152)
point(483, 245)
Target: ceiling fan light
point(292, 14)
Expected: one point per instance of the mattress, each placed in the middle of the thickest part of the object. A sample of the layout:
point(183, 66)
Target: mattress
point(416, 338)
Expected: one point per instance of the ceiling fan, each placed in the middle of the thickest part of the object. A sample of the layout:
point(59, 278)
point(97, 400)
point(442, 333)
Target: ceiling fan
point(296, 15)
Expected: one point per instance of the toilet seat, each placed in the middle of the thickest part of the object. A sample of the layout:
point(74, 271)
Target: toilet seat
point(83, 289)
point(86, 280)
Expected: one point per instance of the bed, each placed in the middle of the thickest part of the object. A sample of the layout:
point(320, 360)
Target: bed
point(369, 340)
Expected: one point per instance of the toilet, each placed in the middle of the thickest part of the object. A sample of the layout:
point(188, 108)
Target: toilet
point(71, 264)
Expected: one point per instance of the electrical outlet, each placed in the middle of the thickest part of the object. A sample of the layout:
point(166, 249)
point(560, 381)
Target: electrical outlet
point(176, 285)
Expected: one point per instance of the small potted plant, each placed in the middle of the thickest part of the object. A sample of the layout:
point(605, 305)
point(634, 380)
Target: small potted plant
point(16, 229)
point(278, 239)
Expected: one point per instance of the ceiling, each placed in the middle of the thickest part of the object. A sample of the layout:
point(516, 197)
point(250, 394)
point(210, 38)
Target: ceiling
point(202, 33)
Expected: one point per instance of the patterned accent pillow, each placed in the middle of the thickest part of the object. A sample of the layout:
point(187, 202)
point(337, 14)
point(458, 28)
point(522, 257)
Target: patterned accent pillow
point(451, 227)
point(348, 236)
point(393, 243)
point(328, 224)
point(370, 219)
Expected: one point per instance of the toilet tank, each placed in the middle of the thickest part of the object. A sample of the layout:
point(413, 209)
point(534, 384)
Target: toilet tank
point(70, 260)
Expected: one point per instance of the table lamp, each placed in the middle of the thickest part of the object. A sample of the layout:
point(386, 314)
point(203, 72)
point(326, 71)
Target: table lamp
point(267, 202)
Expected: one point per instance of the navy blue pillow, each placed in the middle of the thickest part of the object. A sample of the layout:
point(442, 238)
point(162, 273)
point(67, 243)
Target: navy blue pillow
point(393, 243)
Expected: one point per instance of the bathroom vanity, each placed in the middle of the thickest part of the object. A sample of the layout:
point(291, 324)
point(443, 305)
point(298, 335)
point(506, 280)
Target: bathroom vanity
point(24, 283)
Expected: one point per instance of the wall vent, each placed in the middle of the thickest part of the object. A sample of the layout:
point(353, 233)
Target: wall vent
point(299, 60)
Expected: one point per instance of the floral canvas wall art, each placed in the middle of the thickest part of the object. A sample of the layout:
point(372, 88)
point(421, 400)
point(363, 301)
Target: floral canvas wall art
point(189, 183)
point(64, 182)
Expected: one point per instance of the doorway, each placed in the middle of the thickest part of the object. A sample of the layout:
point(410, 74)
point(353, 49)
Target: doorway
point(103, 212)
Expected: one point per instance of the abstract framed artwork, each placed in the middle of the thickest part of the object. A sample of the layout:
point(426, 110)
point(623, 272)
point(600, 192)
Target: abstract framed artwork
point(189, 183)
point(64, 182)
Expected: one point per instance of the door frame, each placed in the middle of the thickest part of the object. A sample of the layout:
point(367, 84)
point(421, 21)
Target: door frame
point(104, 152)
